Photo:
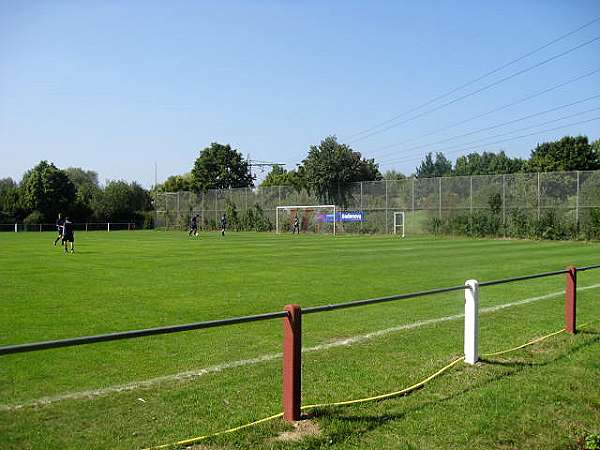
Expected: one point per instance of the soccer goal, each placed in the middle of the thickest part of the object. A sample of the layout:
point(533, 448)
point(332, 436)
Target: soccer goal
point(399, 222)
point(311, 218)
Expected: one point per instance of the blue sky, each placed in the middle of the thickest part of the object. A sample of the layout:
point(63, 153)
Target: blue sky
point(117, 86)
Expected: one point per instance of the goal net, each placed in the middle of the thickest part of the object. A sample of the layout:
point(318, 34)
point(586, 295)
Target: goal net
point(399, 223)
point(311, 218)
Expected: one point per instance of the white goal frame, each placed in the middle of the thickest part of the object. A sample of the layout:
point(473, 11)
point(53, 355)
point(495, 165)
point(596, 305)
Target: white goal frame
point(398, 224)
point(286, 208)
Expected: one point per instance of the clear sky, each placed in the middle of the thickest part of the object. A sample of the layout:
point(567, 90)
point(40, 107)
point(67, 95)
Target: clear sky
point(115, 86)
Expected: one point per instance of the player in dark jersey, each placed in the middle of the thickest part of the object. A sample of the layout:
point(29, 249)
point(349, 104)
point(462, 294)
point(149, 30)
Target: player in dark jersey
point(59, 228)
point(223, 224)
point(194, 226)
point(68, 235)
point(296, 225)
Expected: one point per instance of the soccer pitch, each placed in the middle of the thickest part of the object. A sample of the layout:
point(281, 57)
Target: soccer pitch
point(156, 390)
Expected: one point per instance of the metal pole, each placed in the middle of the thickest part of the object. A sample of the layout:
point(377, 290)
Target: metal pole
point(440, 194)
point(413, 196)
point(361, 204)
point(538, 196)
point(386, 207)
point(504, 203)
point(577, 203)
point(471, 196)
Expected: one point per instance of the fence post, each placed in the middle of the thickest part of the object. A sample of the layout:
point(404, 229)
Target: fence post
point(570, 300)
point(16, 227)
point(440, 195)
point(386, 207)
point(471, 321)
point(292, 362)
point(108, 226)
point(539, 205)
point(577, 204)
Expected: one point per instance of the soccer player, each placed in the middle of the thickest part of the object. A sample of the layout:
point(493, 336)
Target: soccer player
point(223, 224)
point(296, 225)
point(68, 235)
point(194, 226)
point(59, 228)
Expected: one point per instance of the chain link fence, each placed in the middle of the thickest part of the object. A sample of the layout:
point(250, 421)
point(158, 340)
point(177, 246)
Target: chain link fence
point(512, 200)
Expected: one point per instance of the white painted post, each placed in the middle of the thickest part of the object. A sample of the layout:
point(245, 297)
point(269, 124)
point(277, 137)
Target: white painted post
point(108, 228)
point(471, 321)
point(16, 228)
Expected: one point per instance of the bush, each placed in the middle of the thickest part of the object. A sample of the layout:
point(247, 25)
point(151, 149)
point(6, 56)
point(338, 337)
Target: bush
point(34, 218)
point(148, 220)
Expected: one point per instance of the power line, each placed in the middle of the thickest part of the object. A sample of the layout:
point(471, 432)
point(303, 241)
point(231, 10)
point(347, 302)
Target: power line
point(470, 94)
point(494, 110)
point(498, 125)
point(508, 139)
point(468, 83)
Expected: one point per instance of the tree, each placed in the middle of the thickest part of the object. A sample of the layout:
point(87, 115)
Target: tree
point(429, 168)
point(487, 163)
point(569, 153)
point(278, 176)
point(177, 183)
point(86, 183)
point(48, 190)
point(122, 201)
point(330, 167)
point(9, 200)
point(220, 167)
point(393, 175)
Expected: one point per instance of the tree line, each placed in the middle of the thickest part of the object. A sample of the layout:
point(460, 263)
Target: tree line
point(327, 171)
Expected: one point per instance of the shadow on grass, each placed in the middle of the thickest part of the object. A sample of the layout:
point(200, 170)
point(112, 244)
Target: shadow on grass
point(343, 427)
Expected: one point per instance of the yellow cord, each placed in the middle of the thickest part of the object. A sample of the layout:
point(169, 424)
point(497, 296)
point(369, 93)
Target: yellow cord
point(391, 394)
point(534, 341)
point(361, 400)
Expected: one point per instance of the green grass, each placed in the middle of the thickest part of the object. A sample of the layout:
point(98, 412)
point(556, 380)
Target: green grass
point(545, 396)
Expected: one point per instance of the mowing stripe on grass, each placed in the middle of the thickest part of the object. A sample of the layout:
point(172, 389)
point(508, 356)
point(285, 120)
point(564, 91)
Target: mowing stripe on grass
point(191, 375)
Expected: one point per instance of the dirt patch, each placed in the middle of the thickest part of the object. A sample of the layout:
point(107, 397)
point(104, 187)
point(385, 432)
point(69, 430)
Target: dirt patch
point(302, 429)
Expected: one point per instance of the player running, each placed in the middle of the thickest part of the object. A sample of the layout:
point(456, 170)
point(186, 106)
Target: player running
point(68, 235)
point(59, 228)
point(194, 226)
point(223, 224)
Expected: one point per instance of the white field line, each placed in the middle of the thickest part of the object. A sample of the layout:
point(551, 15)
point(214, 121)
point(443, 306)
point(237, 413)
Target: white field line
point(193, 374)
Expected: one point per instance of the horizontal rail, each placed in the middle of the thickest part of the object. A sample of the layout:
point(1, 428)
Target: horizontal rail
point(370, 301)
point(581, 269)
point(22, 348)
point(522, 278)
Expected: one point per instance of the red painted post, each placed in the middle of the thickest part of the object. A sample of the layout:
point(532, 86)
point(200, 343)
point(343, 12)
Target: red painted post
point(570, 297)
point(292, 362)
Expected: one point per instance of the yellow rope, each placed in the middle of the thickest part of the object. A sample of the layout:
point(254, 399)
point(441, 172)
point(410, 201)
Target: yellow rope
point(230, 430)
point(534, 341)
point(360, 400)
point(391, 394)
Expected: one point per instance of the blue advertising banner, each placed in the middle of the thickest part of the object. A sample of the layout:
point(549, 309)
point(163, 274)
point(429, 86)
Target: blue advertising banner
point(343, 216)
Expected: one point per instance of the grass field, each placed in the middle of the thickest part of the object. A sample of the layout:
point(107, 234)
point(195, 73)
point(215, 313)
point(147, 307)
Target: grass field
point(156, 390)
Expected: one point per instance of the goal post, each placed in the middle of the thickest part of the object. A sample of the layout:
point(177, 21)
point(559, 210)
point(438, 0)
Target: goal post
point(316, 218)
point(399, 222)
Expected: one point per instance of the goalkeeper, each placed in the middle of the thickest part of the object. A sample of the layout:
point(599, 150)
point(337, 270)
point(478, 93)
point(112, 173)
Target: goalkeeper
point(223, 224)
point(194, 226)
